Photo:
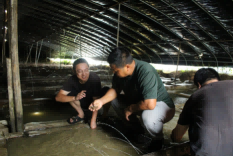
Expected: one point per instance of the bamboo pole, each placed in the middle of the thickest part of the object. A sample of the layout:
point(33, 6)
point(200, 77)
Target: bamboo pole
point(60, 54)
point(29, 54)
point(50, 48)
point(39, 52)
point(10, 95)
point(30, 58)
point(178, 61)
point(15, 63)
point(9, 25)
point(80, 42)
point(118, 25)
point(4, 32)
point(36, 53)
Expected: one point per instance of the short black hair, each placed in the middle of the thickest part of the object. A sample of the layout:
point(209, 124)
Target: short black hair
point(120, 57)
point(205, 74)
point(80, 60)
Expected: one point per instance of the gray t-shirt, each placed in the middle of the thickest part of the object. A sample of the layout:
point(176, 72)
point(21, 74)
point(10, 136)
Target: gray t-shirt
point(209, 114)
point(143, 84)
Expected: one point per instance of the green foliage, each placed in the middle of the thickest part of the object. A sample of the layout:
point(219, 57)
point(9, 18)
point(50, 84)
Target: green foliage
point(66, 62)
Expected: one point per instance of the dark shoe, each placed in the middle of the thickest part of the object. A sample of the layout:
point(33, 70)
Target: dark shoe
point(75, 119)
point(155, 145)
point(143, 139)
point(139, 138)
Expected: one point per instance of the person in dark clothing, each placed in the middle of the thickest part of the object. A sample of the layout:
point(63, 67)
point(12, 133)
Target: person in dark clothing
point(208, 114)
point(80, 90)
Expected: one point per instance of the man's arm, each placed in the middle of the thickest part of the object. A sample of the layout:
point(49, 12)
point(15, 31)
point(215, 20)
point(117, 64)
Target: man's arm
point(183, 121)
point(109, 96)
point(95, 97)
point(148, 104)
point(62, 96)
point(178, 132)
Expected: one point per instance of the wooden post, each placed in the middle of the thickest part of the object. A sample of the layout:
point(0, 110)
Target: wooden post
point(4, 32)
point(30, 58)
point(9, 26)
point(10, 94)
point(60, 54)
point(36, 53)
point(15, 63)
point(29, 54)
point(178, 61)
point(41, 43)
point(118, 25)
point(50, 48)
point(46, 56)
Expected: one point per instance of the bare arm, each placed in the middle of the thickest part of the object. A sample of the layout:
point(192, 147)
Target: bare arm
point(95, 97)
point(178, 132)
point(62, 96)
point(148, 104)
point(109, 96)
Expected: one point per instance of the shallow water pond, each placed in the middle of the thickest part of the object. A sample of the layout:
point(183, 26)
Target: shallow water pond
point(78, 141)
point(82, 140)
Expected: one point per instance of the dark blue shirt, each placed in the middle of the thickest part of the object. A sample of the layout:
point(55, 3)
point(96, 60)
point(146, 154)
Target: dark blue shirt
point(209, 114)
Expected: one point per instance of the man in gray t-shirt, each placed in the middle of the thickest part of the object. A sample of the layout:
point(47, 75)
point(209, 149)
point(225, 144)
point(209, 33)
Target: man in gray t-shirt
point(208, 114)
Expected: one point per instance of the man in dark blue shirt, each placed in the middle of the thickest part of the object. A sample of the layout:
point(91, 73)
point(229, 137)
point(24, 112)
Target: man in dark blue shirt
point(208, 114)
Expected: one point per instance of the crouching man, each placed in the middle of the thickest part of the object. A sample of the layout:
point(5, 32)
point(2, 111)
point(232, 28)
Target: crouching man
point(144, 95)
point(208, 116)
point(80, 90)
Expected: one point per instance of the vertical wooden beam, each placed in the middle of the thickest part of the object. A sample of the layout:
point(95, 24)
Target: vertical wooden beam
point(15, 63)
point(29, 54)
point(41, 43)
point(178, 61)
point(60, 54)
point(118, 25)
point(10, 95)
point(36, 53)
point(46, 57)
point(4, 32)
point(30, 58)
point(50, 42)
point(8, 24)
point(80, 40)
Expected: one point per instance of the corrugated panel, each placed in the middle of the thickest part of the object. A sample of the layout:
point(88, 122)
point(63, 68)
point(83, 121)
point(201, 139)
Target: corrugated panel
point(151, 30)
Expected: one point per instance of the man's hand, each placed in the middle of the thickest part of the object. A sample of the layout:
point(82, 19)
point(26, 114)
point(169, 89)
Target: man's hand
point(127, 113)
point(80, 95)
point(96, 105)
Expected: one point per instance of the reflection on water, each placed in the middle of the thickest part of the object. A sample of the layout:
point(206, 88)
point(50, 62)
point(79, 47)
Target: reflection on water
point(48, 112)
point(37, 113)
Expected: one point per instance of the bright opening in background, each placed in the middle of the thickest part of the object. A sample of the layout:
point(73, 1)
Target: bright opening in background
point(164, 68)
point(172, 68)
point(89, 60)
